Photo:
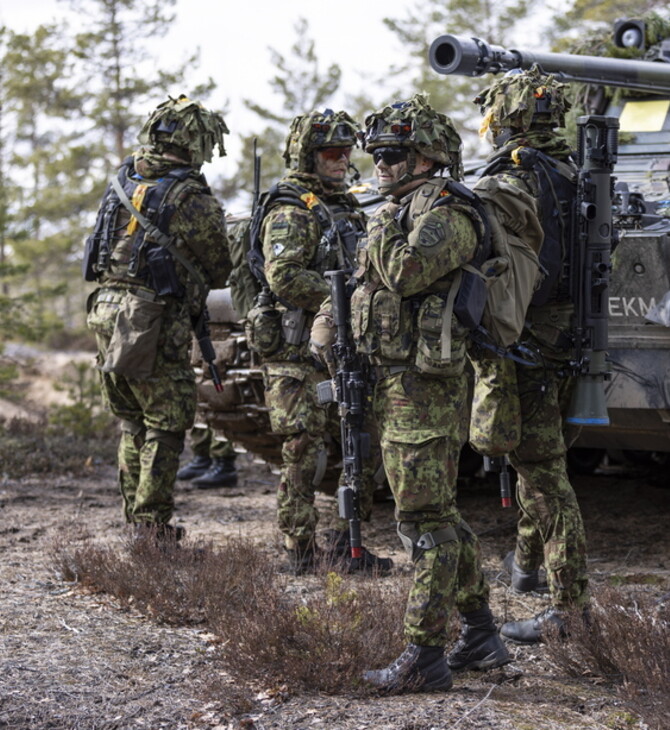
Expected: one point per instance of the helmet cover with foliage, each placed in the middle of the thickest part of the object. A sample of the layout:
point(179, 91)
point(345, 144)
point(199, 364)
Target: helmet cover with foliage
point(521, 100)
point(415, 124)
point(184, 127)
point(315, 130)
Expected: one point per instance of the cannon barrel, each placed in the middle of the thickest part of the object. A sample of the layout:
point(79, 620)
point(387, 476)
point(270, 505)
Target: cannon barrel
point(451, 54)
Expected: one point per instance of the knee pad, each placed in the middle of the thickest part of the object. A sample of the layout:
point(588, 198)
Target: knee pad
point(416, 543)
point(172, 439)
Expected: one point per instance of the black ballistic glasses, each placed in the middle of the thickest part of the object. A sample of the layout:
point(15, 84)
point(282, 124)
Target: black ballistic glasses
point(389, 155)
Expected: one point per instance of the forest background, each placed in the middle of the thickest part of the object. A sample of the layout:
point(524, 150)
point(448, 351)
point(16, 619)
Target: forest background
point(73, 96)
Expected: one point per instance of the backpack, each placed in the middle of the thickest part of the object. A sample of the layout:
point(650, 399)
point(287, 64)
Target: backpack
point(244, 286)
point(497, 286)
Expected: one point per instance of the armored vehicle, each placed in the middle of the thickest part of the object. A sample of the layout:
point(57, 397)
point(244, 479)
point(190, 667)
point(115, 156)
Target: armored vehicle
point(638, 391)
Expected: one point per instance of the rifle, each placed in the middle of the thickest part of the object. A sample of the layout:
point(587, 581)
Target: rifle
point(348, 388)
point(590, 267)
point(201, 330)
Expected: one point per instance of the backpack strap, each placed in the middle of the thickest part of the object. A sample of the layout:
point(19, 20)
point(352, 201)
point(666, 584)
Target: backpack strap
point(161, 238)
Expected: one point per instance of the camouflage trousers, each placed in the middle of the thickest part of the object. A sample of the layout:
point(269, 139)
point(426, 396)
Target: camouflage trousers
point(203, 443)
point(422, 428)
point(550, 526)
point(155, 414)
point(305, 424)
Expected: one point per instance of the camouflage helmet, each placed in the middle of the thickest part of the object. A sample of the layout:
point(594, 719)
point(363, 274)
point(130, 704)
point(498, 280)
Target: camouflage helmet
point(415, 124)
point(309, 132)
point(523, 99)
point(186, 128)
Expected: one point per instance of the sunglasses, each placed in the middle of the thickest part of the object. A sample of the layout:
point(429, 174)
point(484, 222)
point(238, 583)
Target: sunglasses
point(335, 153)
point(389, 155)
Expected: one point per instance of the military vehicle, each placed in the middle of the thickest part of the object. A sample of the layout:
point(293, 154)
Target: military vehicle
point(638, 392)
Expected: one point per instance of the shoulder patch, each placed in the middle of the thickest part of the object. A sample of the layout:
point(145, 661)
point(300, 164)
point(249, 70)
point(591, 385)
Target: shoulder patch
point(278, 249)
point(431, 234)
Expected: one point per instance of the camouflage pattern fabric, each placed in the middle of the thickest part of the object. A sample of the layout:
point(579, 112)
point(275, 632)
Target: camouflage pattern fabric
point(202, 442)
point(294, 267)
point(550, 527)
point(421, 416)
point(156, 411)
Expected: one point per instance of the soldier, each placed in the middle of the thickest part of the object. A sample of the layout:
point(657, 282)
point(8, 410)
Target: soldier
point(522, 111)
point(158, 246)
point(402, 321)
point(213, 462)
point(312, 227)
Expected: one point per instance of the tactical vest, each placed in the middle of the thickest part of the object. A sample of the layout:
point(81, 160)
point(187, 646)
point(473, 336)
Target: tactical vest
point(557, 188)
point(120, 250)
point(420, 331)
point(339, 233)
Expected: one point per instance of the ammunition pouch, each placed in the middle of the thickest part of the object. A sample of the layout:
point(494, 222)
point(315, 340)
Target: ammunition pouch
point(163, 277)
point(416, 544)
point(133, 345)
point(435, 350)
point(263, 328)
point(293, 326)
point(89, 266)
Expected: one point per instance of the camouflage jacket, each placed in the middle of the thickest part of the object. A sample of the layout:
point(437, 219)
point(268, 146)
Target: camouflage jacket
point(297, 254)
point(401, 308)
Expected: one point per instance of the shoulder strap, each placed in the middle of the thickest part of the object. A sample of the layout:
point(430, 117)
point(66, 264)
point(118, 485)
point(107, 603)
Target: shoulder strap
point(162, 239)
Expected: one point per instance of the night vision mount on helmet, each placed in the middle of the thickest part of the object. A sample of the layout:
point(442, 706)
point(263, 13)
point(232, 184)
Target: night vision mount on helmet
point(310, 132)
point(186, 128)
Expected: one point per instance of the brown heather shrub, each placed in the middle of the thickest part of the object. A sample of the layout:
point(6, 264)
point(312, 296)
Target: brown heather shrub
point(626, 643)
point(314, 633)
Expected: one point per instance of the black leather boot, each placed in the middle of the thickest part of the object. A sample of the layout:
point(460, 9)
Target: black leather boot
point(195, 468)
point(479, 645)
point(524, 581)
point(534, 630)
point(417, 669)
point(303, 558)
point(222, 473)
point(338, 547)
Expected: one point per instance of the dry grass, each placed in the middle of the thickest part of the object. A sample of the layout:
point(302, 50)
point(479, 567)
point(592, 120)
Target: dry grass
point(627, 642)
point(265, 623)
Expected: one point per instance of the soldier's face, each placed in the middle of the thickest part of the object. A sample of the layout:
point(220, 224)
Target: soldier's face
point(332, 163)
point(391, 165)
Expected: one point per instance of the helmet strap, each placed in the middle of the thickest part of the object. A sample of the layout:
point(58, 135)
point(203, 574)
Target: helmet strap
point(408, 177)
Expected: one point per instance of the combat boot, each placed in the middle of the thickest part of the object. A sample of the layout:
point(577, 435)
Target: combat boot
point(338, 549)
point(534, 630)
point(160, 534)
point(222, 473)
point(417, 669)
point(195, 468)
point(524, 581)
point(479, 646)
point(302, 558)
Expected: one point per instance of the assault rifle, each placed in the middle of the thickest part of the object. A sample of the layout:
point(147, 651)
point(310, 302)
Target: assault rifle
point(348, 388)
point(590, 266)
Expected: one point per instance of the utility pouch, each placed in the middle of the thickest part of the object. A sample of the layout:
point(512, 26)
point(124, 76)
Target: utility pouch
point(133, 347)
point(91, 251)
point(293, 326)
point(264, 329)
point(164, 279)
point(434, 323)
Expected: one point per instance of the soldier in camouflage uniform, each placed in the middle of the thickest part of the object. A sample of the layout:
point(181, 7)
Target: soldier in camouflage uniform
point(522, 111)
point(155, 268)
point(402, 321)
point(303, 238)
